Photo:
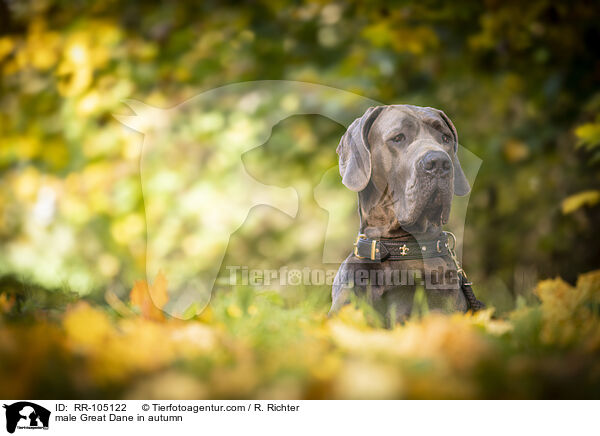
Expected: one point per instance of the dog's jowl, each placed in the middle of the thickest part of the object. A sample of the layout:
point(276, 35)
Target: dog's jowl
point(402, 162)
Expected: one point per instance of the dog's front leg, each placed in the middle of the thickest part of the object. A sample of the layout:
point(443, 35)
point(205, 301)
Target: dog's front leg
point(351, 279)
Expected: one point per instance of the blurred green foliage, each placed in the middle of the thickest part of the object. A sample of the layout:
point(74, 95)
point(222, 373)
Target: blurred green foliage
point(519, 80)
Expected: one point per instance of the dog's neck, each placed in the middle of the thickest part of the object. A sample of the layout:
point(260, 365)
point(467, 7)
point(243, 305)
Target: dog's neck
point(379, 220)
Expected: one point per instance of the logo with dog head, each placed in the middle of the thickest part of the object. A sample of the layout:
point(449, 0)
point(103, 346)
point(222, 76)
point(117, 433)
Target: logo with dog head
point(26, 415)
point(215, 165)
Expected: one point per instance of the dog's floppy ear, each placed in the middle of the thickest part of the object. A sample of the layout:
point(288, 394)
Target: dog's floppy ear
point(461, 185)
point(354, 151)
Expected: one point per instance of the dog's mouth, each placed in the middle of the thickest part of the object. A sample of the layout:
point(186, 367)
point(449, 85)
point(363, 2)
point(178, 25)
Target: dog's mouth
point(437, 207)
point(426, 205)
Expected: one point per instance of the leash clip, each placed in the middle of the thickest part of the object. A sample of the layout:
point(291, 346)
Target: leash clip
point(453, 240)
point(452, 251)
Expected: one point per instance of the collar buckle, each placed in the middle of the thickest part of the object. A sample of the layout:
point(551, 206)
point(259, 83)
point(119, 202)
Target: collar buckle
point(374, 249)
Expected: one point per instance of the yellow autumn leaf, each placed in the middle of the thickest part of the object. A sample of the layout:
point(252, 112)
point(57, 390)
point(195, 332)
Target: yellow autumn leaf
point(150, 299)
point(158, 290)
point(588, 134)
point(6, 46)
point(515, 151)
point(234, 311)
point(86, 326)
point(577, 201)
point(6, 303)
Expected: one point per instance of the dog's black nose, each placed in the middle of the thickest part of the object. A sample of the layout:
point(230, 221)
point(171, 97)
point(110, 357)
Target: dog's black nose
point(436, 163)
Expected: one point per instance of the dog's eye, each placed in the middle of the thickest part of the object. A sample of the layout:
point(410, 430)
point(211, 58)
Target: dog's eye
point(399, 137)
point(446, 139)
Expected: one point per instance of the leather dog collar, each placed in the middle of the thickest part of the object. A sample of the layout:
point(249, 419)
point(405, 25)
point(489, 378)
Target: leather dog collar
point(380, 250)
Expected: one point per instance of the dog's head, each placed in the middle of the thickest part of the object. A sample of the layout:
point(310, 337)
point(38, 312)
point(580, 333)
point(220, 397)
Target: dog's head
point(403, 159)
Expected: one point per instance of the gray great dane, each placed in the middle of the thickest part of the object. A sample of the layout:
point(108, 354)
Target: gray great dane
point(402, 162)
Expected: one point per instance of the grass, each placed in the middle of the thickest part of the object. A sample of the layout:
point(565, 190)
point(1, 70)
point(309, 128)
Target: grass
point(260, 344)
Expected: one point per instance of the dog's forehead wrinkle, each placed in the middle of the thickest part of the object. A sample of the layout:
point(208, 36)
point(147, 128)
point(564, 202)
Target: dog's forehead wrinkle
point(427, 115)
point(438, 125)
point(392, 118)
